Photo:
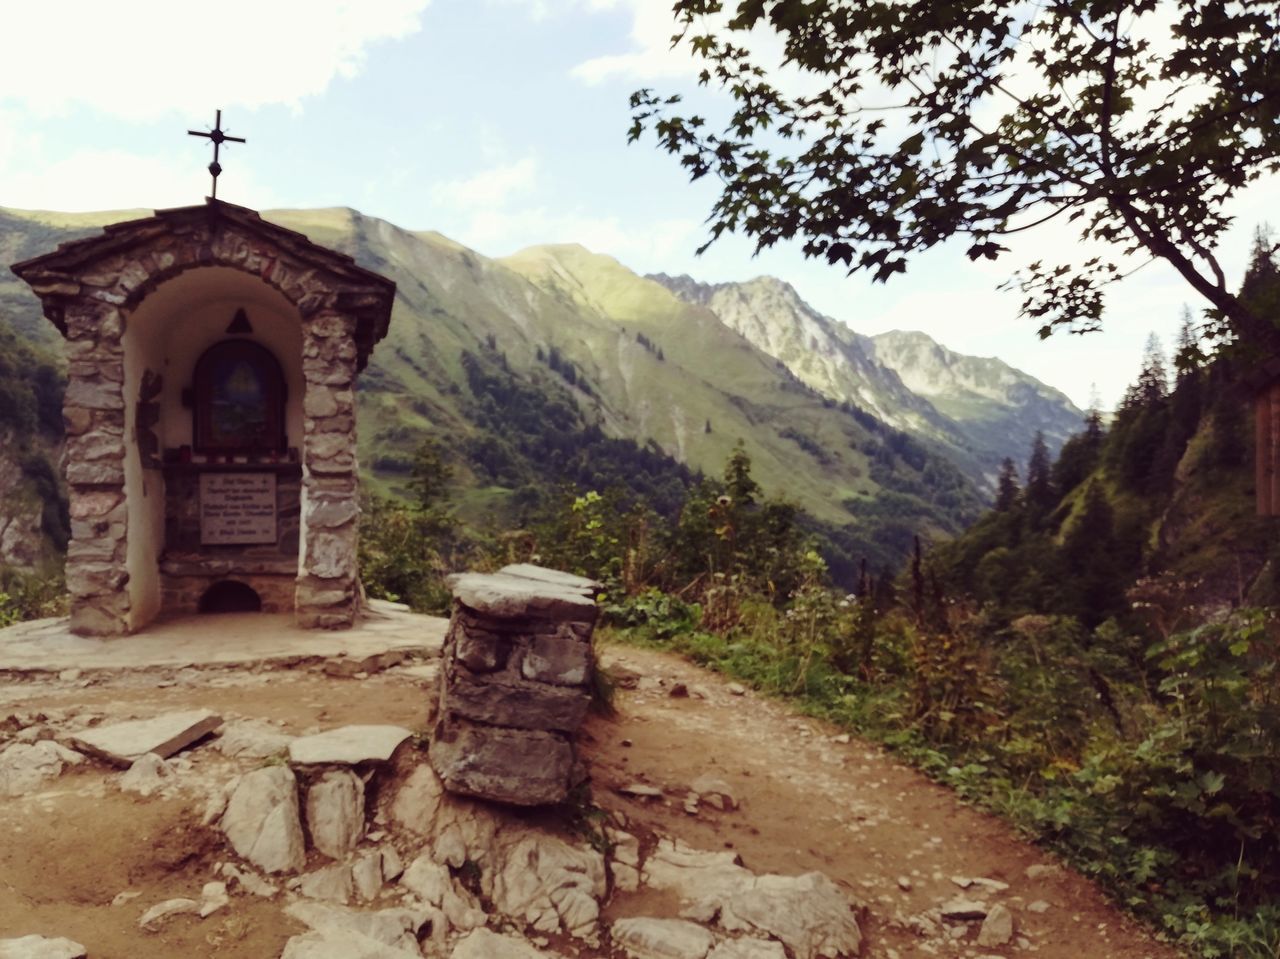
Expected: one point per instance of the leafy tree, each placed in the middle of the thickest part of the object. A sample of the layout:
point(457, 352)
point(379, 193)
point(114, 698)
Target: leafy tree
point(923, 122)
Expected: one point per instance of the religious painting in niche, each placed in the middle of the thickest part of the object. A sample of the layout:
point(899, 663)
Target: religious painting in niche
point(239, 399)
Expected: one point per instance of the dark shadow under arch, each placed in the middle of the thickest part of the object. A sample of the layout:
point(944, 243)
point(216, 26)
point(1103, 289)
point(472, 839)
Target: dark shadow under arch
point(229, 596)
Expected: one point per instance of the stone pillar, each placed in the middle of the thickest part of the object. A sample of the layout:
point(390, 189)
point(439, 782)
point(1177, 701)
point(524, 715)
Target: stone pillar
point(93, 412)
point(515, 684)
point(327, 593)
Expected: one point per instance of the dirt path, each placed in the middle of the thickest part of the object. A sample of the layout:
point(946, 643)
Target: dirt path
point(807, 802)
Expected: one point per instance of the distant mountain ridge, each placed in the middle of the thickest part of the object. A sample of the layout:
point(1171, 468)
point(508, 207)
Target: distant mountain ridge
point(979, 409)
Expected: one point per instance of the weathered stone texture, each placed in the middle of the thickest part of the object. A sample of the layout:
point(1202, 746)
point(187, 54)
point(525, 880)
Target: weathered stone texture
point(514, 686)
point(89, 287)
point(517, 766)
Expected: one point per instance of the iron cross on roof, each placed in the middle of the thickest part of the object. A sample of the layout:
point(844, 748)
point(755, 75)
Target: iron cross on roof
point(218, 137)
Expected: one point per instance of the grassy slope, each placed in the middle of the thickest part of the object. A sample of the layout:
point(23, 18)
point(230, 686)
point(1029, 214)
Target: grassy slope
point(590, 308)
point(709, 373)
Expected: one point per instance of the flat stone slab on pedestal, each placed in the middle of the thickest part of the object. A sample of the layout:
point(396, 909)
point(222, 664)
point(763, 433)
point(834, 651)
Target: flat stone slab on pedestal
point(504, 596)
point(553, 577)
point(348, 745)
point(122, 743)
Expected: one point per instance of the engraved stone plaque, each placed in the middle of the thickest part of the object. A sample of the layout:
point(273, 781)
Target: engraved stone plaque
point(237, 508)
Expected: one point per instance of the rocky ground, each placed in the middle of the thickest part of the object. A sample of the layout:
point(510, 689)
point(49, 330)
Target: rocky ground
point(719, 826)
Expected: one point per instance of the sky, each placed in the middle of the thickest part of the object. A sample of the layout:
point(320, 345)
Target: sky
point(499, 123)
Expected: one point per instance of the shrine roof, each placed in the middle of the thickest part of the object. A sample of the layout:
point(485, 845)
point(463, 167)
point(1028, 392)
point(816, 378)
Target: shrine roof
point(56, 276)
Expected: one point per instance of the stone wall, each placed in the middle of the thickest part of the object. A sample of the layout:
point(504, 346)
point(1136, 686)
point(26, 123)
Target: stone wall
point(515, 684)
point(93, 412)
point(328, 592)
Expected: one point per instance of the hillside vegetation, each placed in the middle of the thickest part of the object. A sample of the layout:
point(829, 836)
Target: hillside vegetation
point(1095, 658)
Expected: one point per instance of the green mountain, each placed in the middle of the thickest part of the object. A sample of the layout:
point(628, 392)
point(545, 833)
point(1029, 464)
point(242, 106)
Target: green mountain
point(557, 364)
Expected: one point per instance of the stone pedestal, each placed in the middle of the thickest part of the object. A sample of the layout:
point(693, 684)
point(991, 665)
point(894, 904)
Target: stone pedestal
point(514, 684)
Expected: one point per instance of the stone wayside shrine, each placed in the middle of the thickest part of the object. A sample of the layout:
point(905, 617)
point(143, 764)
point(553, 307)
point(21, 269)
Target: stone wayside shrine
point(210, 416)
point(515, 682)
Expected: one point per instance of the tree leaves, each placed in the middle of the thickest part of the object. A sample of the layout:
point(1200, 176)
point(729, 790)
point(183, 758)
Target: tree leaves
point(1013, 114)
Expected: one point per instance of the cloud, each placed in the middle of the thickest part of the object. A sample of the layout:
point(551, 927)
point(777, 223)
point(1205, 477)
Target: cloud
point(651, 57)
point(141, 59)
point(120, 180)
point(488, 189)
point(650, 247)
point(544, 9)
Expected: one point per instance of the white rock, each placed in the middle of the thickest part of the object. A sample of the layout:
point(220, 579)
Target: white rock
point(212, 898)
point(24, 769)
point(483, 944)
point(262, 821)
point(807, 913)
point(68, 756)
point(163, 911)
point(332, 884)
point(1038, 906)
point(348, 745)
point(148, 774)
point(252, 739)
point(748, 949)
point(341, 944)
point(394, 928)
point(640, 790)
point(392, 866)
point(366, 874)
point(997, 928)
point(335, 813)
point(435, 886)
point(963, 910)
point(122, 743)
point(550, 884)
point(427, 879)
point(251, 882)
point(715, 792)
point(128, 895)
point(458, 829)
point(38, 947)
point(645, 938)
point(695, 875)
point(625, 878)
point(736, 689)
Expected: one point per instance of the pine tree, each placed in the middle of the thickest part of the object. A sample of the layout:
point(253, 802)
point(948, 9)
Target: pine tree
point(1039, 495)
point(1188, 358)
point(1080, 454)
point(1007, 486)
point(1153, 381)
point(1089, 548)
point(739, 484)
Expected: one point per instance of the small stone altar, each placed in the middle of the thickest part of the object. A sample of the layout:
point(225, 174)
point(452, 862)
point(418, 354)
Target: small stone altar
point(514, 685)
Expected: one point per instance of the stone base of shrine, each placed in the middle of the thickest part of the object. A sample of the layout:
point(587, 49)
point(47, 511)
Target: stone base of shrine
point(189, 585)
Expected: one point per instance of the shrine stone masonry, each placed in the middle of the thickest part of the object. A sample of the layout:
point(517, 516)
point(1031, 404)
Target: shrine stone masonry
point(210, 415)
